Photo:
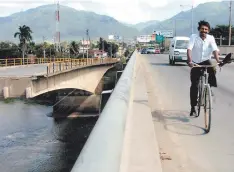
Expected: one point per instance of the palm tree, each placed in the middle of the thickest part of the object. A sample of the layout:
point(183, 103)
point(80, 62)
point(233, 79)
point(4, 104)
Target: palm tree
point(74, 47)
point(24, 35)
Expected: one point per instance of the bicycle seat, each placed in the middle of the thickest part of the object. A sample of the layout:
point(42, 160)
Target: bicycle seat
point(228, 59)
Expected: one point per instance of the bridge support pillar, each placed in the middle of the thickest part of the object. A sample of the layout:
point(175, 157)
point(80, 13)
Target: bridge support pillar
point(28, 92)
point(5, 92)
point(68, 104)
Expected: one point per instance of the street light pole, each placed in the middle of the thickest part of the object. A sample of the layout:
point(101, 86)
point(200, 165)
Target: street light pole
point(87, 34)
point(230, 24)
point(175, 27)
point(44, 46)
point(83, 48)
point(192, 19)
point(192, 9)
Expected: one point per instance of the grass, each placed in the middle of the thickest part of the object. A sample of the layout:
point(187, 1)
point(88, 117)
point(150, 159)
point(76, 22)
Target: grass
point(9, 100)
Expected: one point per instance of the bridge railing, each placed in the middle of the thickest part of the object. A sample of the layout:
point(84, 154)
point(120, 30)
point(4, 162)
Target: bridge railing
point(28, 61)
point(59, 66)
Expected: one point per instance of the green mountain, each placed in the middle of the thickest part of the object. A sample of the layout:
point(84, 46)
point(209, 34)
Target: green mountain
point(73, 24)
point(214, 12)
point(142, 25)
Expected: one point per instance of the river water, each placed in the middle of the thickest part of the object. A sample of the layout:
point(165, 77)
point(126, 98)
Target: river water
point(32, 141)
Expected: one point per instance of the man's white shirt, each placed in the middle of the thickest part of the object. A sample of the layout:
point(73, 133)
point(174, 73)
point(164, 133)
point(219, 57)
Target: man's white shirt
point(202, 49)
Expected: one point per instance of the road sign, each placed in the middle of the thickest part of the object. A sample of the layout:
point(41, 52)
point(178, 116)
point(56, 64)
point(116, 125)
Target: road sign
point(159, 38)
point(144, 38)
point(114, 37)
point(165, 33)
point(158, 32)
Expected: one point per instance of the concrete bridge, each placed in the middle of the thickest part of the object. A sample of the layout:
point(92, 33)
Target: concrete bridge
point(32, 80)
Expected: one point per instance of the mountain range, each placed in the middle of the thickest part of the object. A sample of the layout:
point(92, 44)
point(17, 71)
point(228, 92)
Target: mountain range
point(216, 13)
point(73, 23)
point(142, 25)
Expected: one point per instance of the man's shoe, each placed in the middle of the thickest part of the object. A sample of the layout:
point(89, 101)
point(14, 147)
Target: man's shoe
point(193, 112)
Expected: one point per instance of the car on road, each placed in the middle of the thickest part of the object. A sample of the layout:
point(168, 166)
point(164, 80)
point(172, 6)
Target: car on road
point(178, 50)
point(144, 51)
point(151, 50)
point(157, 51)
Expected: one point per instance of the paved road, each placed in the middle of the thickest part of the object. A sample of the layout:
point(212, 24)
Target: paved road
point(182, 138)
point(22, 71)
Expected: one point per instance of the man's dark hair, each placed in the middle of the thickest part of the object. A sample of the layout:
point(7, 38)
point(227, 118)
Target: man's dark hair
point(203, 23)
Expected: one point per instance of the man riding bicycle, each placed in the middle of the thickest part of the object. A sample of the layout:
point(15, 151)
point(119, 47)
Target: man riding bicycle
point(200, 48)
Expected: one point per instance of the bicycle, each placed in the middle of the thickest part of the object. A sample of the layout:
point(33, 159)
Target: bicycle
point(204, 95)
point(204, 90)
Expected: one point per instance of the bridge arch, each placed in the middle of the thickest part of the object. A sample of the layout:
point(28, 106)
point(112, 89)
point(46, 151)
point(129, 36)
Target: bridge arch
point(88, 79)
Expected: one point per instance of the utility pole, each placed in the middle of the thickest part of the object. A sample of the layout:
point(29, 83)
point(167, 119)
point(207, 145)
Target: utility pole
point(230, 23)
point(87, 39)
point(123, 47)
point(43, 46)
point(102, 47)
point(83, 47)
point(111, 49)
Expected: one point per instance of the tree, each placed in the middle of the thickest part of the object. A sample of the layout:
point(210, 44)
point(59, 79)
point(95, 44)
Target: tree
point(114, 48)
point(222, 31)
point(126, 53)
point(25, 36)
point(8, 50)
point(32, 47)
point(108, 46)
point(74, 48)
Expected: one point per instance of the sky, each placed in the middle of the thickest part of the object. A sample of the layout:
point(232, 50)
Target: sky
point(128, 11)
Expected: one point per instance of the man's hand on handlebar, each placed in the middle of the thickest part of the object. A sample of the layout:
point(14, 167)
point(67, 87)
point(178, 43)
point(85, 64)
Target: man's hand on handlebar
point(190, 64)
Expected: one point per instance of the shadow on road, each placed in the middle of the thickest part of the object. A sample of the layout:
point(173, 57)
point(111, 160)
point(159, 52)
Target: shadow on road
point(185, 129)
point(178, 122)
point(166, 64)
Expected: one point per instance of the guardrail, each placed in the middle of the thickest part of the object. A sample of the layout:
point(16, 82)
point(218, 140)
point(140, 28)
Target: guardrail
point(60, 66)
point(28, 61)
point(103, 149)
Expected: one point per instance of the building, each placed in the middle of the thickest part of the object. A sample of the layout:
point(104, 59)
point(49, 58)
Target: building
point(97, 53)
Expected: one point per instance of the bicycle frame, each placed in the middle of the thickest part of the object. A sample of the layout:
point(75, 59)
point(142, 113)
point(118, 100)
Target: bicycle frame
point(204, 83)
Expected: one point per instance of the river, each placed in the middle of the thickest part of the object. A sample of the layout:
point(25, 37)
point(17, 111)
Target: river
point(32, 141)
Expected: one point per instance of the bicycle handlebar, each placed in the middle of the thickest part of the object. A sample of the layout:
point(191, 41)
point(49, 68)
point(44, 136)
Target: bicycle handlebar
point(197, 65)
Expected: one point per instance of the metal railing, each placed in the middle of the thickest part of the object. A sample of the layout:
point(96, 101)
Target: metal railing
point(28, 61)
point(60, 66)
point(103, 150)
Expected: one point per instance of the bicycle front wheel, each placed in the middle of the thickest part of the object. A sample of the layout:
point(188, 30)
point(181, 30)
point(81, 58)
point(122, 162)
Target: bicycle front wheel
point(207, 108)
point(199, 96)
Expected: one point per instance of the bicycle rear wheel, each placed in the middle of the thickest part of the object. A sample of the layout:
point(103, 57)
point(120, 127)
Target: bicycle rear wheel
point(207, 108)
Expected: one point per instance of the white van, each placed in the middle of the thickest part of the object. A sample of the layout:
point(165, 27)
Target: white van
point(178, 50)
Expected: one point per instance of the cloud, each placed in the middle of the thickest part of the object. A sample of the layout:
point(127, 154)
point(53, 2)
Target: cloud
point(130, 11)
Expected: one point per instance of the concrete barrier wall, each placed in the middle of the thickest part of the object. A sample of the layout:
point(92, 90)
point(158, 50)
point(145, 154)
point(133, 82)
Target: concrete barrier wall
point(225, 49)
point(103, 149)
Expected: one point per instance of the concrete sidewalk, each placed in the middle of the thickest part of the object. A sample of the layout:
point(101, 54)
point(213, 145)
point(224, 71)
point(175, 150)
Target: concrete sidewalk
point(140, 151)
